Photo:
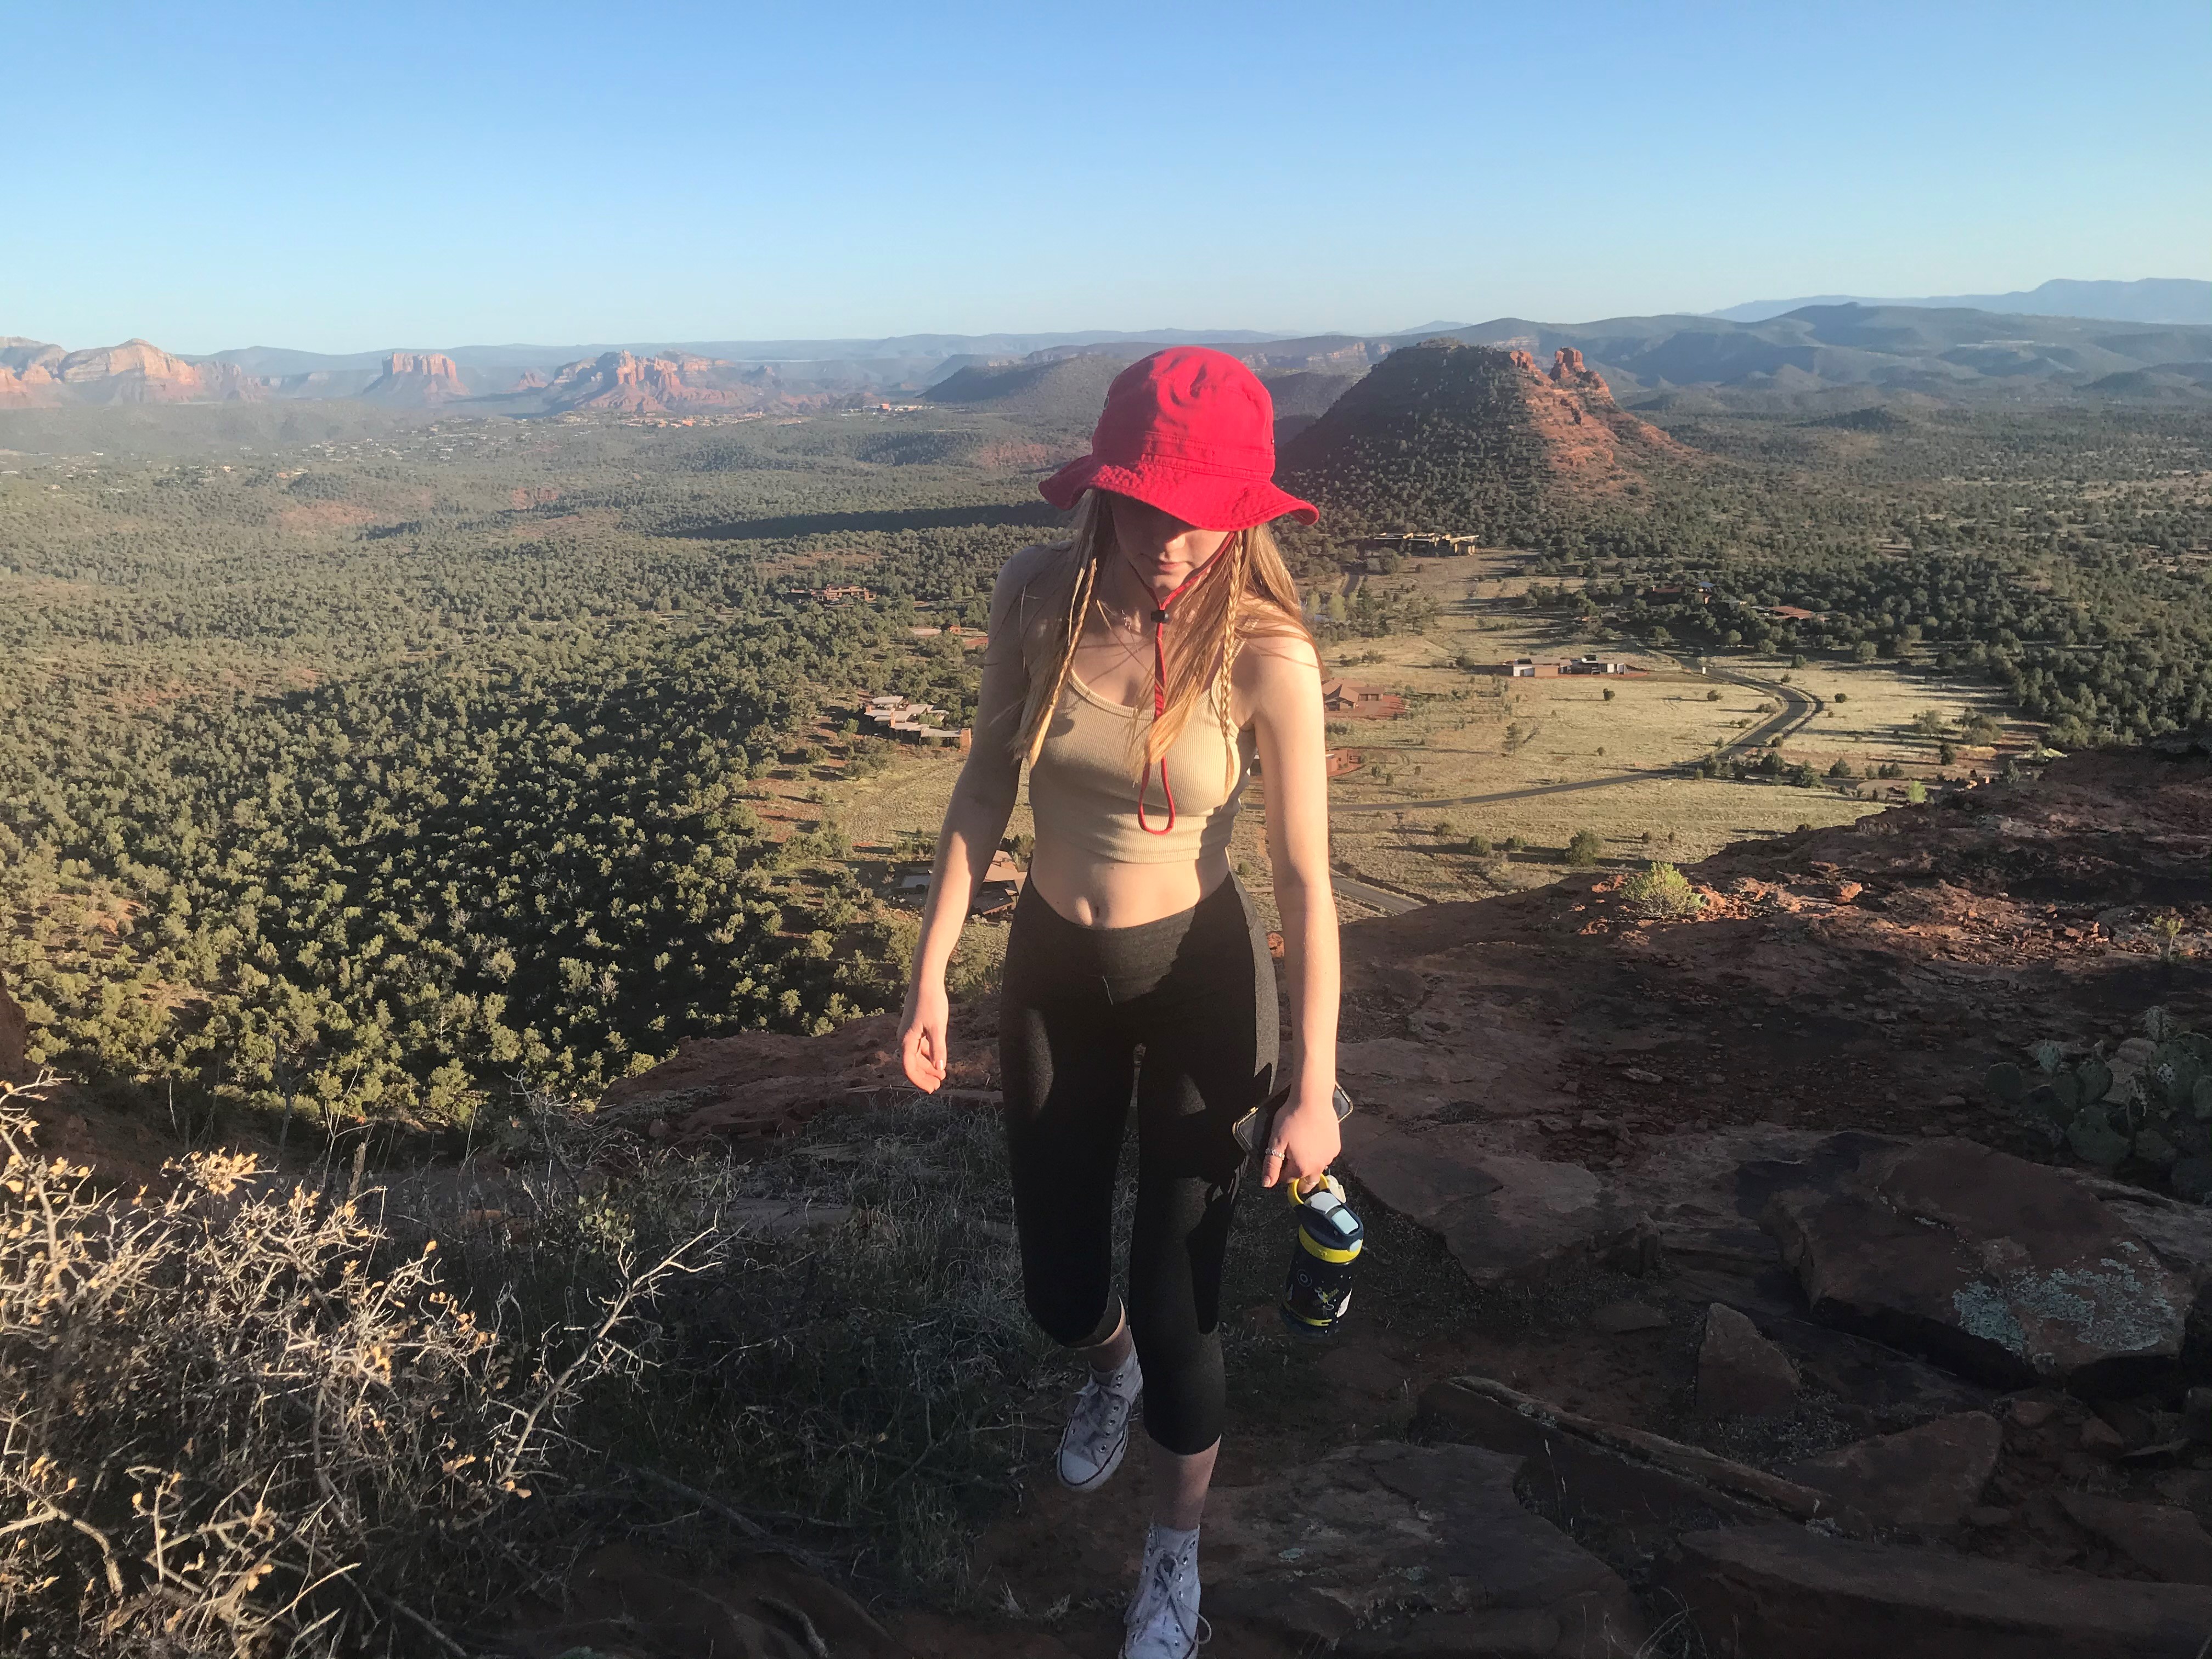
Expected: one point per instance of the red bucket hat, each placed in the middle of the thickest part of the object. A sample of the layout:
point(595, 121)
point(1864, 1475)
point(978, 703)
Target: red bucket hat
point(1191, 432)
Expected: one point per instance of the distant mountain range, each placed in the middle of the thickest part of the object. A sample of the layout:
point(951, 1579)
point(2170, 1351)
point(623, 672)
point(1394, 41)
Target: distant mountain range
point(2153, 299)
point(1948, 352)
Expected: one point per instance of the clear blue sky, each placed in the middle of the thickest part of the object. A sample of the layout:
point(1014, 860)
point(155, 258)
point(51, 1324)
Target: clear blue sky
point(347, 177)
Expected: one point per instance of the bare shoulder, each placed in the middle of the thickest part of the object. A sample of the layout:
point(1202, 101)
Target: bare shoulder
point(1279, 655)
point(1023, 567)
point(1020, 582)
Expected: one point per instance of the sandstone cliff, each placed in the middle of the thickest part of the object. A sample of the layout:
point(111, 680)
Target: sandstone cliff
point(417, 378)
point(34, 375)
point(672, 383)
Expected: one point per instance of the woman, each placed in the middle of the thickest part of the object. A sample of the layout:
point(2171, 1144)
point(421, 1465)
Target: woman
point(1139, 669)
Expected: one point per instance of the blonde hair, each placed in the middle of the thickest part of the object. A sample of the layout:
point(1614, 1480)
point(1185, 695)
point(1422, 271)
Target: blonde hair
point(1246, 593)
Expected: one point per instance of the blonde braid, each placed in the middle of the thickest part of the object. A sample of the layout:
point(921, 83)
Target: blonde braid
point(1231, 637)
point(1078, 601)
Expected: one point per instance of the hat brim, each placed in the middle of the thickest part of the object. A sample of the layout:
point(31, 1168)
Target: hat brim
point(1210, 500)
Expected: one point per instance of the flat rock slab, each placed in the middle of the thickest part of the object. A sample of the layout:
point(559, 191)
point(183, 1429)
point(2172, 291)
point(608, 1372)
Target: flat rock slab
point(1383, 1548)
point(1924, 1479)
point(1507, 1218)
point(2166, 1542)
point(1784, 1592)
point(1998, 1268)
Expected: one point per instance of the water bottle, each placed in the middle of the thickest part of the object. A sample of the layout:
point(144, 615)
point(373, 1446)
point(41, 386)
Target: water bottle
point(1318, 1291)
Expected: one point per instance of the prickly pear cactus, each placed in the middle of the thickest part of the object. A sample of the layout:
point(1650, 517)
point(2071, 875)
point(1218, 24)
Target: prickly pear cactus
point(2162, 1118)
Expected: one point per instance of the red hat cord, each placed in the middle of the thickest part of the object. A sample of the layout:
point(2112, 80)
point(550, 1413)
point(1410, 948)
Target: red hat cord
point(1160, 702)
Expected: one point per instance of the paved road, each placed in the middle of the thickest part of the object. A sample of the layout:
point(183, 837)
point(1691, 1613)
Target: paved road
point(1375, 898)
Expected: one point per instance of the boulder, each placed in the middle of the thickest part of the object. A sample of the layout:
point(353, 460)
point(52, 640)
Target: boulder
point(2166, 1542)
point(2000, 1269)
point(1389, 1549)
point(1769, 1591)
point(1923, 1479)
point(1507, 1218)
point(1740, 1372)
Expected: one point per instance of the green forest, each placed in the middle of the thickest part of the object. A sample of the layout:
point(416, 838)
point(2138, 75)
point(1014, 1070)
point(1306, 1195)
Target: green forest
point(386, 776)
point(384, 779)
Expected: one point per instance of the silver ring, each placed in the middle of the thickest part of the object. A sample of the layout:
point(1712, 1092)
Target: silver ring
point(1274, 1151)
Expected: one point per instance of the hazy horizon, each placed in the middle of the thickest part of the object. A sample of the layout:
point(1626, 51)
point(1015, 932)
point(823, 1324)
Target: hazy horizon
point(486, 351)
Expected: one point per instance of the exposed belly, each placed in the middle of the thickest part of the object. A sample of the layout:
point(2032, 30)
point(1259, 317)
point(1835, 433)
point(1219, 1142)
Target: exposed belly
point(1095, 892)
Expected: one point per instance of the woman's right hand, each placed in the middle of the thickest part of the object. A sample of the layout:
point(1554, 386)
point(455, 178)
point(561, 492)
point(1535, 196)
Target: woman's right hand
point(921, 1036)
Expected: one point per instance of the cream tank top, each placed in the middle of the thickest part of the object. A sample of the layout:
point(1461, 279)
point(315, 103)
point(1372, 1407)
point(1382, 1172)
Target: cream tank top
point(1082, 789)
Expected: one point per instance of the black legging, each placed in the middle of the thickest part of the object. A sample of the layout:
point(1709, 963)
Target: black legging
point(1195, 992)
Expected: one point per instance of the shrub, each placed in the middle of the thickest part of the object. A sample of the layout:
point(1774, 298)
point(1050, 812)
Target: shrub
point(247, 1422)
point(1713, 695)
point(1916, 793)
point(1584, 848)
point(1663, 892)
point(1608, 694)
point(239, 1422)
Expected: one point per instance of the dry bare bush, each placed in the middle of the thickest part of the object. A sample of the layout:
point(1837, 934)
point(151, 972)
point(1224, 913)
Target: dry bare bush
point(234, 1421)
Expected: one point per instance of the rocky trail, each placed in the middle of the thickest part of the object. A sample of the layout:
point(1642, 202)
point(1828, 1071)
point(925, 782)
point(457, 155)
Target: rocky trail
point(1770, 1331)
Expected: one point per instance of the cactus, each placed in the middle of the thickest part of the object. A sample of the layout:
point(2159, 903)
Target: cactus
point(2164, 1119)
point(2094, 1140)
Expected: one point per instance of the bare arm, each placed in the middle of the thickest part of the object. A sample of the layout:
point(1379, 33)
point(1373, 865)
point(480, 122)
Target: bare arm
point(1281, 680)
point(974, 820)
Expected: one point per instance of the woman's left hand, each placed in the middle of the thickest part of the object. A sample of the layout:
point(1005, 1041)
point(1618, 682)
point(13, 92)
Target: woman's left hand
point(1305, 1133)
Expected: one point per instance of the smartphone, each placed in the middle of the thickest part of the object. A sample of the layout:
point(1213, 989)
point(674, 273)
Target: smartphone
point(1251, 1129)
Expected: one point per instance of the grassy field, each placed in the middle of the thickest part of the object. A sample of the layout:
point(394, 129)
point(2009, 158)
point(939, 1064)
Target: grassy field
point(1471, 734)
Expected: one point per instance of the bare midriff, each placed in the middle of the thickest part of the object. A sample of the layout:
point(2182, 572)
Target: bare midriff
point(1095, 892)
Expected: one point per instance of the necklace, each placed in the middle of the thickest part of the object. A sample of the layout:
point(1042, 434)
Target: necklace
point(1115, 635)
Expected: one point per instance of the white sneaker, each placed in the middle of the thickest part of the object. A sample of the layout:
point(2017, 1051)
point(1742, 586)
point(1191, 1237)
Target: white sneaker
point(1098, 1431)
point(1163, 1618)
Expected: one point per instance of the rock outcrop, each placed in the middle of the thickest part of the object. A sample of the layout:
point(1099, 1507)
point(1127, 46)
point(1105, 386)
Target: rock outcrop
point(1473, 440)
point(36, 375)
point(2002, 1270)
point(760, 1084)
point(672, 383)
point(416, 379)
